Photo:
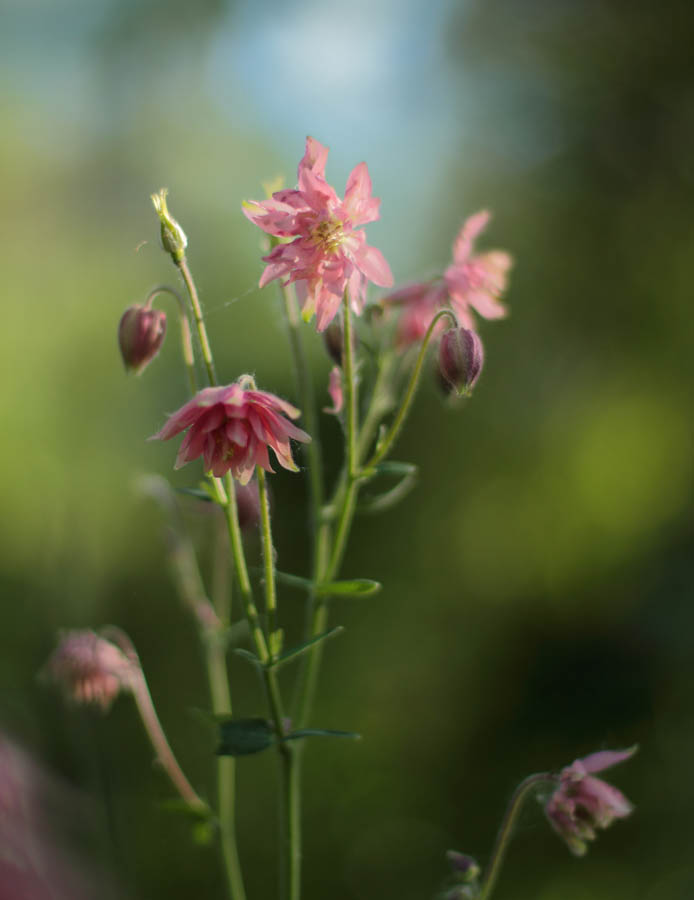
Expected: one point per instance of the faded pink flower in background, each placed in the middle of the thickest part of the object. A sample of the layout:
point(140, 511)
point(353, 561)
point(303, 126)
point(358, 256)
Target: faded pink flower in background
point(581, 803)
point(231, 427)
point(328, 254)
point(469, 283)
point(90, 669)
point(335, 391)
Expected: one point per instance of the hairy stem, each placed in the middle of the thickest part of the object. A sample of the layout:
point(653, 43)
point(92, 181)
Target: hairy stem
point(199, 320)
point(186, 339)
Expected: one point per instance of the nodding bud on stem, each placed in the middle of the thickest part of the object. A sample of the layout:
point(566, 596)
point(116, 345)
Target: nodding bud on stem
point(90, 669)
point(173, 237)
point(461, 356)
point(141, 333)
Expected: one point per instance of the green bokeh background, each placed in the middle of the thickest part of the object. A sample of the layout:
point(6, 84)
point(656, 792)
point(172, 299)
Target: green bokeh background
point(537, 583)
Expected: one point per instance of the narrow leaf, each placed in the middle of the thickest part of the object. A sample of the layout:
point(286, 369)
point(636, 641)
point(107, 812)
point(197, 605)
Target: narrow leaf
point(241, 737)
point(321, 732)
point(361, 587)
point(406, 473)
point(198, 493)
point(248, 656)
point(299, 650)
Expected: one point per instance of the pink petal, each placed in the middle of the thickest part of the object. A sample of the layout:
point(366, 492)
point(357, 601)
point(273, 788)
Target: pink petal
point(314, 158)
point(472, 226)
point(373, 264)
point(359, 204)
point(605, 759)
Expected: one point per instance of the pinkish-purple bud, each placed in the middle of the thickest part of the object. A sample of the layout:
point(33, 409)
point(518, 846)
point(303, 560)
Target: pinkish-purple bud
point(461, 356)
point(248, 504)
point(140, 335)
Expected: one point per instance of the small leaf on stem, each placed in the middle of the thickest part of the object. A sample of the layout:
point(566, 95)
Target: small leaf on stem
point(241, 737)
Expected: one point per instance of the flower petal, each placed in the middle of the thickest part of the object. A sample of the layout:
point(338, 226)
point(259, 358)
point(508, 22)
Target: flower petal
point(360, 206)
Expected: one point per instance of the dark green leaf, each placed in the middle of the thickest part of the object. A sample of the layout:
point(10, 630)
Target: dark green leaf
point(240, 737)
point(361, 587)
point(321, 732)
point(299, 650)
point(198, 493)
point(248, 656)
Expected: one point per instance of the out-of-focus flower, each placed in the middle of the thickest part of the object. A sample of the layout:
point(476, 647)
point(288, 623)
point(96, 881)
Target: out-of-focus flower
point(37, 816)
point(141, 333)
point(461, 356)
point(581, 803)
point(231, 427)
point(90, 669)
point(328, 254)
point(248, 504)
point(470, 282)
point(335, 391)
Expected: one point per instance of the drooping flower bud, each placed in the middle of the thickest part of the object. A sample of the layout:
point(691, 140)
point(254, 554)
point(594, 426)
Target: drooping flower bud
point(90, 669)
point(141, 333)
point(333, 340)
point(335, 391)
point(461, 356)
point(173, 237)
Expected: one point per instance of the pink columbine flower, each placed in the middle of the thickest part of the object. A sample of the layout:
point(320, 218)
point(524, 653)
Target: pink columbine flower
point(231, 427)
point(90, 669)
point(328, 254)
point(581, 803)
point(471, 282)
point(335, 391)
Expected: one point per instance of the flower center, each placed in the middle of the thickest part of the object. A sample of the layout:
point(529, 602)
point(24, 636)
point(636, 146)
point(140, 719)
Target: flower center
point(328, 234)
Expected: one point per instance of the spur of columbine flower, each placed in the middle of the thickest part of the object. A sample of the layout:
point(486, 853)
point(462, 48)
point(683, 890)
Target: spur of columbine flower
point(581, 803)
point(231, 427)
point(471, 282)
point(328, 254)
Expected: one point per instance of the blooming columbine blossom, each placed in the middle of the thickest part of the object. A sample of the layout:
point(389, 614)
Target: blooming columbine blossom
point(470, 282)
point(581, 803)
point(328, 254)
point(90, 669)
point(231, 427)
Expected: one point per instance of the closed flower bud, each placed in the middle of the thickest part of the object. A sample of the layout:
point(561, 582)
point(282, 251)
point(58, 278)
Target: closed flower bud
point(90, 669)
point(173, 237)
point(333, 340)
point(140, 335)
point(461, 356)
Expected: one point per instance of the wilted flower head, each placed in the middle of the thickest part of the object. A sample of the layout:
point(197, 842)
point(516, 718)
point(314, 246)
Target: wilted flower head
point(327, 254)
point(461, 356)
point(231, 427)
point(90, 669)
point(581, 803)
point(141, 333)
point(470, 282)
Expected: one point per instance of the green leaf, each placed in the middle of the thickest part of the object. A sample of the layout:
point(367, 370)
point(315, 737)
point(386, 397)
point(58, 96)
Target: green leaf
point(248, 656)
point(299, 650)
point(198, 493)
point(241, 737)
point(406, 475)
point(361, 587)
point(321, 732)
point(294, 580)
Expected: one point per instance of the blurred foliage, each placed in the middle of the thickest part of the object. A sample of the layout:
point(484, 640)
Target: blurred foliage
point(537, 583)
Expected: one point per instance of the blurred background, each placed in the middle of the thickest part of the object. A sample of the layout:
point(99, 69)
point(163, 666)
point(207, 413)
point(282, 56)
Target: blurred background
point(537, 600)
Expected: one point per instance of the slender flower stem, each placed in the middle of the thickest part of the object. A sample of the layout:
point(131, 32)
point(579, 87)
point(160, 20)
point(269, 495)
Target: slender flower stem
point(199, 320)
point(320, 529)
point(351, 389)
point(268, 559)
point(164, 753)
point(186, 340)
point(524, 789)
point(393, 432)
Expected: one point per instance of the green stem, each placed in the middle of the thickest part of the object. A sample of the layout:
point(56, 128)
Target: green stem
point(506, 829)
point(269, 564)
point(186, 340)
point(351, 390)
point(393, 432)
point(319, 529)
point(199, 320)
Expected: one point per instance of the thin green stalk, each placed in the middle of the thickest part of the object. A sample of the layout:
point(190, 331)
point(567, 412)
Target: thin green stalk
point(351, 390)
point(186, 341)
point(269, 564)
point(506, 829)
point(199, 319)
point(393, 432)
point(319, 529)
